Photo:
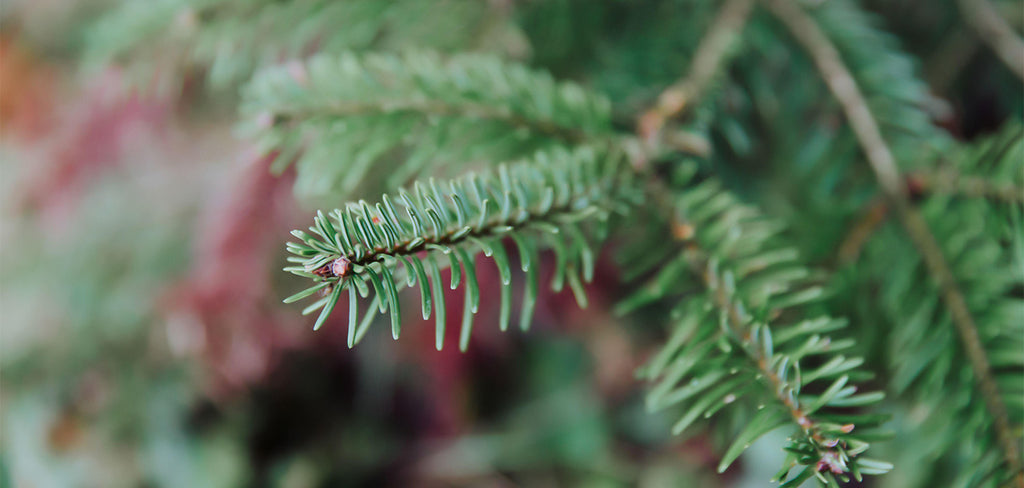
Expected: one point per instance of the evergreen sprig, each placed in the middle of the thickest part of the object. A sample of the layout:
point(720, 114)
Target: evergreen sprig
point(546, 201)
point(417, 112)
point(744, 334)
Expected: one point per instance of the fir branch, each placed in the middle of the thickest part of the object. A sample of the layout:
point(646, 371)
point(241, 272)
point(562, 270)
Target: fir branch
point(345, 114)
point(711, 53)
point(749, 283)
point(845, 89)
point(992, 29)
point(536, 202)
point(928, 369)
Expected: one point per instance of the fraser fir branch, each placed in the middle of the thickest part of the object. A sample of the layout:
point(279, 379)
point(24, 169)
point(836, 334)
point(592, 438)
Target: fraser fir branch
point(928, 368)
point(747, 283)
point(739, 327)
point(981, 240)
point(540, 201)
point(842, 85)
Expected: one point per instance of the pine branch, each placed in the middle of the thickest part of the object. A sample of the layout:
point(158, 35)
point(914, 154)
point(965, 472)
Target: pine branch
point(541, 202)
point(747, 285)
point(345, 114)
point(992, 29)
point(844, 88)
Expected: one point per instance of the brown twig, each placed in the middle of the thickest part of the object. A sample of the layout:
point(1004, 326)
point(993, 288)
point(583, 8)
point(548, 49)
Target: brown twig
point(995, 32)
point(842, 85)
point(710, 54)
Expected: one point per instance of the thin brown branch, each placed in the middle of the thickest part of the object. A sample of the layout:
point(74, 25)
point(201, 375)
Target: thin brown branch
point(994, 31)
point(842, 85)
point(711, 53)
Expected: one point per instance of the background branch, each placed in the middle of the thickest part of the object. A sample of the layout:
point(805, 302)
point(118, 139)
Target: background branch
point(843, 86)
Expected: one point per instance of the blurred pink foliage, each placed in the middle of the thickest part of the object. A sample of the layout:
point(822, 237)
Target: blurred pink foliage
point(95, 133)
point(237, 324)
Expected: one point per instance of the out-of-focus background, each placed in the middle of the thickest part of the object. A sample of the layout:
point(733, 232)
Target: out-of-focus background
point(144, 342)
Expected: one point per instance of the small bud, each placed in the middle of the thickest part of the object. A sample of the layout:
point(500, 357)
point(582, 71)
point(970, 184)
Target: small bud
point(341, 266)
